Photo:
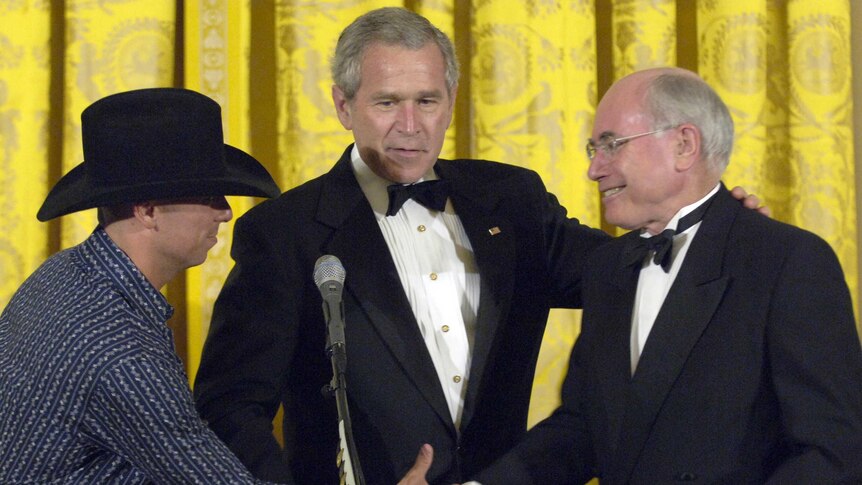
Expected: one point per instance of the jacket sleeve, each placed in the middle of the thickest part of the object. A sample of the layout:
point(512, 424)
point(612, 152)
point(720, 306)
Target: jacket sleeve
point(815, 358)
point(251, 341)
point(558, 449)
point(569, 245)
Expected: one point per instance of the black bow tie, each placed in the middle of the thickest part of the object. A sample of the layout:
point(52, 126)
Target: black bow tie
point(432, 194)
point(662, 243)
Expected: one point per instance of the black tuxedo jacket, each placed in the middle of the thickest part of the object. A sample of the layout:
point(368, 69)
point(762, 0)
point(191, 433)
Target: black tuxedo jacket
point(267, 338)
point(752, 372)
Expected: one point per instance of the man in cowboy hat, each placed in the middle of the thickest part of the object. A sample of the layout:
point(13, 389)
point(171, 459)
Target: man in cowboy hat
point(91, 390)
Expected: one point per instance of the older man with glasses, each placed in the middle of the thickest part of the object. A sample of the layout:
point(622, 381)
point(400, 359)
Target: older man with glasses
point(717, 346)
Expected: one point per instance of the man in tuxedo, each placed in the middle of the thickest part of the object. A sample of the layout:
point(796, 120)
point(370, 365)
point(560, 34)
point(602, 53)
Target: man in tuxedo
point(717, 345)
point(445, 299)
point(445, 305)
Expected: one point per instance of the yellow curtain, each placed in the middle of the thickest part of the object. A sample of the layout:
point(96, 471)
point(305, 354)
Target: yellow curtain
point(25, 114)
point(820, 126)
point(216, 53)
point(532, 74)
point(644, 35)
point(533, 91)
point(788, 94)
point(108, 49)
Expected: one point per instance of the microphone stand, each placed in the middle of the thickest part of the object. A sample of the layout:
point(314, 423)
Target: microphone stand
point(329, 277)
point(348, 463)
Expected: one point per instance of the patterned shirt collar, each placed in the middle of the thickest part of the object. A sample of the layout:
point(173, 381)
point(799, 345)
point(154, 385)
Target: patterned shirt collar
point(104, 256)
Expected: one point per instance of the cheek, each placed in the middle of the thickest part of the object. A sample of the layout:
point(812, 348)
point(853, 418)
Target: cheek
point(645, 173)
point(194, 232)
point(441, 123)
point(371, 131)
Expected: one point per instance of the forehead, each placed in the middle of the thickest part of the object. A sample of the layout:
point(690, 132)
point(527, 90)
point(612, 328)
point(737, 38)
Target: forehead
point(621, 109)
point(384, 64)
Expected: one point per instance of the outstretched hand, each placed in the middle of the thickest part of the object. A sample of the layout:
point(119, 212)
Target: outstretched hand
point(750, 201)
point(416, 475)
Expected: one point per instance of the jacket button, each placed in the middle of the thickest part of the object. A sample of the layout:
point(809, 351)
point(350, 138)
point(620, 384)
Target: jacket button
point(686, 477)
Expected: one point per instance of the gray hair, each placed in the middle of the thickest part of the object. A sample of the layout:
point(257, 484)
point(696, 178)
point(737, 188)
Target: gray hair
point(676, 98)
point(391, 26)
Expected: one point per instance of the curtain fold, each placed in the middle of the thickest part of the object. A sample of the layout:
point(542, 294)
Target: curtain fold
point(216, 63)
point(310, 137)
point(109, 48)
point(644, 35)
point(533, 95)
point(733, 59)
point(25, 63)
point(820, 126)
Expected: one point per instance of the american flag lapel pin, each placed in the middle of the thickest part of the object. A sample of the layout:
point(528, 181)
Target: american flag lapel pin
point(494, 231)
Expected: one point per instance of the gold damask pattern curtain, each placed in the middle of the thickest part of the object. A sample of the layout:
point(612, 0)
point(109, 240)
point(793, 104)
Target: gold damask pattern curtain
point(532, 74)
point(24, 131)
point(108, 47)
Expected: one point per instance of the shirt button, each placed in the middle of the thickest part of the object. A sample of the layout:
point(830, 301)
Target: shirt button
point(433, 276)
point(445, 328)
point(456, 379)
point(421, 228)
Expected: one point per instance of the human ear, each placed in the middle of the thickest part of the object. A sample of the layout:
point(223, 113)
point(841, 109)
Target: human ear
point(342, 107)
point(145, 214)
point(687, 148)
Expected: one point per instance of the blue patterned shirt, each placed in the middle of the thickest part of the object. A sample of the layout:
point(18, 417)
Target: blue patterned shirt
point(91, 390)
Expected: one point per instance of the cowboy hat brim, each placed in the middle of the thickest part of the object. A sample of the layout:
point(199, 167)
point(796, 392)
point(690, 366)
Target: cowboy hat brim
point(75, 191)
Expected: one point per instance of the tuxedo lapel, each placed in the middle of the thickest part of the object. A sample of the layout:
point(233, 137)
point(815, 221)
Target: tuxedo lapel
point(610, 305)
point(687, 310)
point(372, 280)
point(492, 238)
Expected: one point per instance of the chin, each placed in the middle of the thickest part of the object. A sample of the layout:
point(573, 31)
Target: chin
point(405, 177)
point(612, 220)
point(199, 260)
point(620, 219)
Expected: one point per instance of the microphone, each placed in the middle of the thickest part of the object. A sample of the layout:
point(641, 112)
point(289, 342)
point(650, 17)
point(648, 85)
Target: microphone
point(329, 277)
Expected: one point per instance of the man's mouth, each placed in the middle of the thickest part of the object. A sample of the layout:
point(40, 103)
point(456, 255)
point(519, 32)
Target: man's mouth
point(405, 150)
point(612, 191)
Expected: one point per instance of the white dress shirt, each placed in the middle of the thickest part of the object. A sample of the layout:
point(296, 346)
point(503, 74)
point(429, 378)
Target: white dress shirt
point(654, 283)
point(438, 271)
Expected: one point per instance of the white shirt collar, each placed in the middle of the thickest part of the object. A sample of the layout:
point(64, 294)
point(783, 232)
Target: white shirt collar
point(674, 221)
point(373, 185)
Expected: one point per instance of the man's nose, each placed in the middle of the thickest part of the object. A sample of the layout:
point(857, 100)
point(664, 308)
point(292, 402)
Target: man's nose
point(407, 118)
point(598, 165)
point(223, 207)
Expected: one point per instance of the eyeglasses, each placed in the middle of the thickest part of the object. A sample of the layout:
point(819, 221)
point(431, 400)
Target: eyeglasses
point(609, 144)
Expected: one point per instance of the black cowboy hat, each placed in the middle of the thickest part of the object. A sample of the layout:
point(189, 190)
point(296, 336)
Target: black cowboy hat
point(151, 144)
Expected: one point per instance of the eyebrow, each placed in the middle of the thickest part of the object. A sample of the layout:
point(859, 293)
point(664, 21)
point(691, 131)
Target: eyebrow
point(435, 93)
point(604, 134)
point(384, 95)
